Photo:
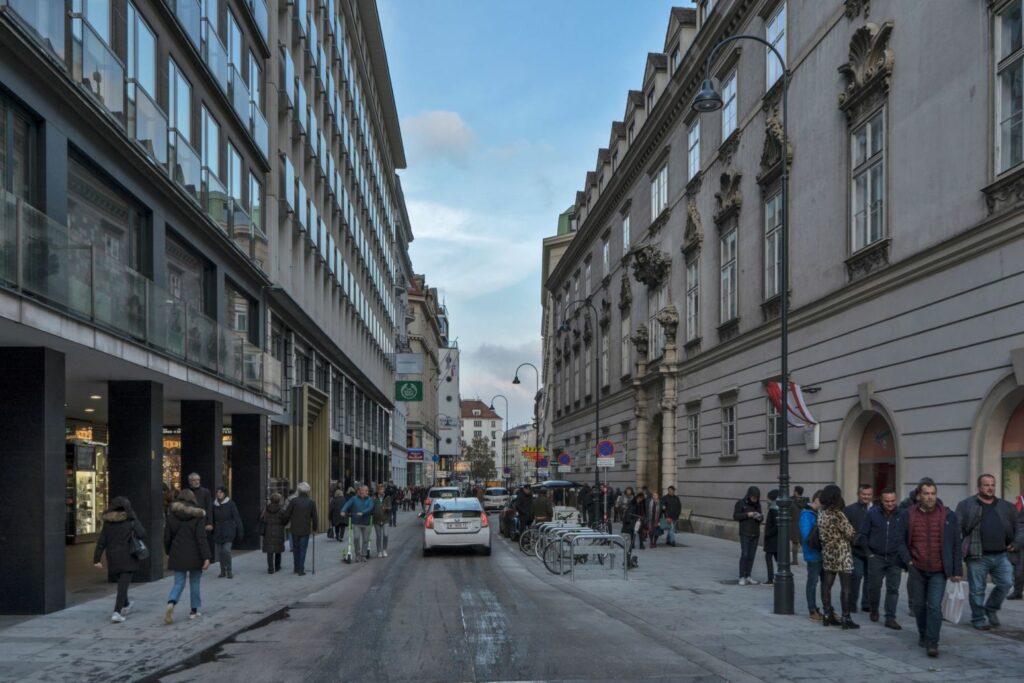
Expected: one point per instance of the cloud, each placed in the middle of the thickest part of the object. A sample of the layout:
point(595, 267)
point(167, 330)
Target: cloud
point(488, 369)
point(439, 135)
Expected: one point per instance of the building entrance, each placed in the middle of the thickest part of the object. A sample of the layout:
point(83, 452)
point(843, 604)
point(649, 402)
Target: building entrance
point(877, 461)
point(1013, 455)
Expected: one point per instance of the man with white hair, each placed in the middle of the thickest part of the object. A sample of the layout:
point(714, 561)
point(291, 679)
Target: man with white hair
point(301, 515)
point(360, 507)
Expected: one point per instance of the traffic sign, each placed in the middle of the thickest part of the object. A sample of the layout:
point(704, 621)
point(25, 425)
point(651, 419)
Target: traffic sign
point(605, 448)
point(542, 463)
point(436, 457)
point(564, 458)
point(507, 471)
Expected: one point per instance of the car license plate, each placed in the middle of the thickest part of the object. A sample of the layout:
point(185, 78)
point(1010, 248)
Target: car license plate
point(458, 525)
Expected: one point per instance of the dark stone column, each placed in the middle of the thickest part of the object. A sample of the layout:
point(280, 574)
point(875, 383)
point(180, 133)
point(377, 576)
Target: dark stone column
point(249, 473)
point(135, 461)
point(202, 424)
point(32, 507)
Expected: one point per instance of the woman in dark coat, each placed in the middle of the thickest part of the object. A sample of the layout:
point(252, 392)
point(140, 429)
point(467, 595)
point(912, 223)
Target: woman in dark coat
point(632, 516)
point(272, 523)
point(334, 511)
point(119, 523)
point(227, 528)
point(188, 551)
point(771, 535)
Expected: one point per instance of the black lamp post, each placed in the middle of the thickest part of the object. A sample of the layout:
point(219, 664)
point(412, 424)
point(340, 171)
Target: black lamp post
point(709, 100)
point(564, 327)
point(504, 432)
point(536, 419)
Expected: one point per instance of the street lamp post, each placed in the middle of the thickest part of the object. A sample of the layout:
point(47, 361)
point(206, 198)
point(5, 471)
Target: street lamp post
point(504, 432)
point(536, 419)
point(564, 327)
point(709, 100)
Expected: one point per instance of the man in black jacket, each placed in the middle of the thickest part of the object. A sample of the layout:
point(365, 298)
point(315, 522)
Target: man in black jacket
point(204, 500)
point(524, 507)
point(748, 513)
point(855, 512)
point(882, 530)
point(301, 515)
point(672, 507)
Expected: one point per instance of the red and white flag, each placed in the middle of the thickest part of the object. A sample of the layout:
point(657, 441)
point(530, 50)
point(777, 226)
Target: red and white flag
point(797, 413)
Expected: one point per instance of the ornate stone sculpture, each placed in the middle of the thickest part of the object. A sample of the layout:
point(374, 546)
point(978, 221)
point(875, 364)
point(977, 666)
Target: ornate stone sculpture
point(771, 153)
point(868, 70)
point(651, 265)
point(625, 292)
point(854, 7)
point(640, 340)
point(668, 318)
point(606, 313)
point(693, 234)
point(729, 198)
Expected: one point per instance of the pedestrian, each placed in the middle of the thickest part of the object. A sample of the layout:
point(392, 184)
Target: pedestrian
point(748, 513)
point(617, 506)
point(652, 519)
point(931, 549)
point(382, 506)
point(168, 495)
point(227, 528)
point(812, 556)
point(524, 507)
point(395, 494)
point(334, 513)
point(301, 516)
point(991, 526)
point(1018, 558)
point(360, 508)
point(586, 502)
point(671, 508)
point(188, 552)
point(798, 503)
point(204, 499)
point(541, 509)
point(855, 512)
point(836, 534)
point(771, 535)
point(272, 531)
point(882, 531)
point(120, 528)
point(632, 520)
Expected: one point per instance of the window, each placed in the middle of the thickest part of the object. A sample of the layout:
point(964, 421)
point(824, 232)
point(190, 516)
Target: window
point(237, 312)
point(615, 160)
point(255, 201)
point(179, 101)
point(706, 7)
point(234, 173)
point(1010, 87)
point(17, 154)
point(729, 105)
point(478, 423)
point(775, 33)
point(478, 433)
point(659, 192)
point(587, 384)
point(98, 14)
point(624, 343)
point(605, 258)
point(576, 377)
point(102, 214)
point(693, 434)
point(210, 13)
point(235, 47)
point(605, 373)
point(650, 101)
point(656, 300)
point(493, 423)
point(693, 150)
point(775, 427)
point(772, 243)
point(141, 51)
point(255, 80)
point(727, 309)
point(693, 298)
point(211, 143)
point(868, 183)
point(674, 60)
point(728, 430)
point(629, 133)
point(587, 283)
point(625, 233)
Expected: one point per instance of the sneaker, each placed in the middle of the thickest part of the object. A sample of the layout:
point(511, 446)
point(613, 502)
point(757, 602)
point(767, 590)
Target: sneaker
point(993, 619)
point(385, 553)
point(169, 613)
point(117, 618)
point(380, 554)
point(816, 616)
point(983, 627)
point(194, 615)
point(127, 608)
point(743, 581)
point(769, 582)
point(933, 651)
point(752, 582)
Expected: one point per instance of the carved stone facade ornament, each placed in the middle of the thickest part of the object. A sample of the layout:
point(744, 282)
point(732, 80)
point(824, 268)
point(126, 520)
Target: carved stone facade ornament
point(606, 314)
point(771, 153)
point(854, 8)
point(1006, 193)
point(668, 318)
point(693, 234)
point(868, 260)
point(868, 71)
point(729, 147)
point(661, 220)
point(729, 198)
point(651, 265)
point(625, 292)
point(588, 330)
point(640, 340)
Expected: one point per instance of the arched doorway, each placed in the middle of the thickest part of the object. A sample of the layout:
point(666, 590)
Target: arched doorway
point(1013, 455)
point(877, 454)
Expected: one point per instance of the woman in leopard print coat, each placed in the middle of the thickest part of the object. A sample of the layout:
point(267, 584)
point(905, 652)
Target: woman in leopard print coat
point(836, 534)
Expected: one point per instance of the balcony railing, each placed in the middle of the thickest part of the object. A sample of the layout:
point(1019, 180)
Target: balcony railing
point(39, 258)
point(45, 21)
point(147, 123)
point(215, 55)
point(259, 10)
point(95, 66)
point(185, 166)
point(240, 97)
point(216, 200)
point(190, 14)
point(260, 132)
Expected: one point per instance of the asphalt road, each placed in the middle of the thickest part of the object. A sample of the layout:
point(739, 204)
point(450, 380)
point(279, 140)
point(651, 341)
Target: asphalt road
point(455, 616)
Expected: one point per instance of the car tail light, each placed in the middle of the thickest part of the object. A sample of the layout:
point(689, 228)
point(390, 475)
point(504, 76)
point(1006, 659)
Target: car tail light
point(427, 502)
point(430, 521)
point(483, 521)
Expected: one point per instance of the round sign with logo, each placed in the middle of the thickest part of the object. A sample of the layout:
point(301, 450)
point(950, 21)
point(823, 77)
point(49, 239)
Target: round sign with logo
point(564, 459)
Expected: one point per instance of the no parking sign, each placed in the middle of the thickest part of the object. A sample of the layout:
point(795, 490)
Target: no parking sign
point(605, 453)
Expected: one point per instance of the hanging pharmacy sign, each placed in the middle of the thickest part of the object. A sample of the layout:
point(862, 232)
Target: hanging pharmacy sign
point(407, 390)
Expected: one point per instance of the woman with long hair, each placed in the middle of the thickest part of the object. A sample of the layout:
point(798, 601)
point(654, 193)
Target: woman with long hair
point(836, 534)
point(116, 540)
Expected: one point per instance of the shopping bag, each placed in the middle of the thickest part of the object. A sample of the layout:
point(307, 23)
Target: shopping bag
point(954, 600)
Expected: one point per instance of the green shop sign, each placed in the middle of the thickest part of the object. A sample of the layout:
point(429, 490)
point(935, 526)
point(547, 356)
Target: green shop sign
point(408, 391)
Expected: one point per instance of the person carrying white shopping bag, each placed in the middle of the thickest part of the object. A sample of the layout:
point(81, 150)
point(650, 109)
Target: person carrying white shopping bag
point(954, 601)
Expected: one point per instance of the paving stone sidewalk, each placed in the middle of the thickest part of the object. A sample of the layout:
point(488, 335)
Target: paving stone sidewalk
point(81, 644)
point(691, 593)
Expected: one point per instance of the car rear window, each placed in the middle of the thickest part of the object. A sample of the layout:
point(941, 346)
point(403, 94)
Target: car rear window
point(443, 493)
point(464, 512)
point(496, 492)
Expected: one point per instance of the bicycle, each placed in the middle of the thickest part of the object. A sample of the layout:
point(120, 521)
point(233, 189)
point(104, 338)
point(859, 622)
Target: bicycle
point(528, 539)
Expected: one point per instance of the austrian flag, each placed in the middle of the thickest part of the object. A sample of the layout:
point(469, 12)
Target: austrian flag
point(798, 415)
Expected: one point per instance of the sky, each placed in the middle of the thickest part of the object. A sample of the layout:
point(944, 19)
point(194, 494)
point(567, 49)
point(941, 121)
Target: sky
point(503, 106)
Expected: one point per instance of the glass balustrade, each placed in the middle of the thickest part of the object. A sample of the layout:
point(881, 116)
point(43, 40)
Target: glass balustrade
point(216, 200)
point(186, 168)
point(215, 55)
point(147, 124)
point(39, 258)
point(261, 249)
point(241, 228)
point(190, 14)
point(259, 10)
point(240, 97)
point(95, 66)
point(260, 132)
point(45, 20)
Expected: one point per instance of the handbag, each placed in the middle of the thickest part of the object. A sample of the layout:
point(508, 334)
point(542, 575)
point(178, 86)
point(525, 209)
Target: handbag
point(138, 547)
point(664, 524)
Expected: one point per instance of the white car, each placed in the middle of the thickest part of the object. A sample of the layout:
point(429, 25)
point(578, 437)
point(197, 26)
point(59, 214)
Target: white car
point(440, 493)
point(495, 498)
point(456, 522)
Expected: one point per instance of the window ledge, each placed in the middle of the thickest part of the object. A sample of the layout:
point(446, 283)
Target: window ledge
point(868, 260)
point(1007, 192)
point(729, 329)
point(771, 307)
point(734, 456)
point(660, 220)
point(692, 344)
point(771, 454)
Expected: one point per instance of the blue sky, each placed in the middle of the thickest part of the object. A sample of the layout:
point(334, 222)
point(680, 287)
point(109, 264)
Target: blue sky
point(503, 107)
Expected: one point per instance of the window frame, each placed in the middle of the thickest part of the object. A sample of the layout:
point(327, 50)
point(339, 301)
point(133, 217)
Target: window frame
point(693, 298)
point(730, 115)
point(625, 330)
point(659, 192)
point(773, 70)
point(731, 264)
point(132, 49)
point(606, 258)
point(207, 119)
point(626, 238)
point(693, 149)
point(773, 433)
point(872, 161)
point(772, 242)
point(693, 434)
point(1014, 59)
point(176, 76)
point(729, 449)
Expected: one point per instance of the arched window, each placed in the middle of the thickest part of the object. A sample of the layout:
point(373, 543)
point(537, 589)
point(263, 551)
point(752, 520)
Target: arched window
point(1013, 455)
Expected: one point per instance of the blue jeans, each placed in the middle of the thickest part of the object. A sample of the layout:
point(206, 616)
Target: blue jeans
point(859, 587)
point(299, 546)
point(748, 548)
point(925, 590)
point(670, 534)
point(813, 577)
point(194, 576)
point(978, 570)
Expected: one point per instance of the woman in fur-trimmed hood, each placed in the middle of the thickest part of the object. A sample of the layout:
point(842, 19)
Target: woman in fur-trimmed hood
point(188, 550)
point(119, 523)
